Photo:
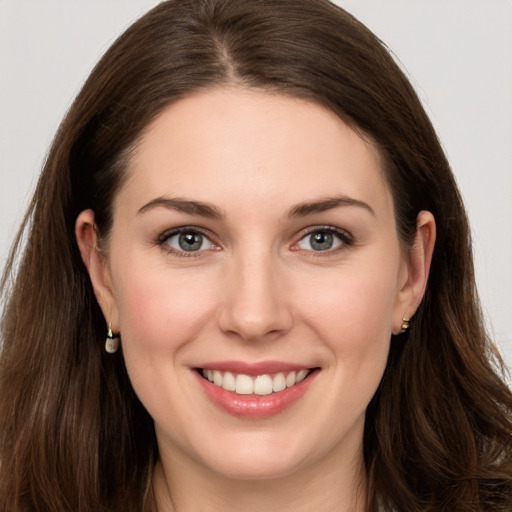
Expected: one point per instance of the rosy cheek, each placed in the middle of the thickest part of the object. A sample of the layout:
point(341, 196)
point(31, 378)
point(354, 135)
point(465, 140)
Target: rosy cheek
point(158, 307)
point(355, 307)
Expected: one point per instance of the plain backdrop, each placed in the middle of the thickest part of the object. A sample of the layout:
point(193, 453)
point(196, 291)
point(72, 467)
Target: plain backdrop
point(458, 54)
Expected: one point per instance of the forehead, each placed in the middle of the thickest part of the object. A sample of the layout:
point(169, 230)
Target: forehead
point(244, 142)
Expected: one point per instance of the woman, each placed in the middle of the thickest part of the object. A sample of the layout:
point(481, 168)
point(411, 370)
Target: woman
point(249, 200)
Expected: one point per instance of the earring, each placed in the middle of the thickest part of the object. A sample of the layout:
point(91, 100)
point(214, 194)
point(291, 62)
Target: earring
point(406, 323)
point(112, 341)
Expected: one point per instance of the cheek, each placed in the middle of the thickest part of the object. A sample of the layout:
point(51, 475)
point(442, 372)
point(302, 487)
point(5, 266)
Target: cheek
point(160, 309)
point(353, 305)
point(354, 320)
point(160, 313)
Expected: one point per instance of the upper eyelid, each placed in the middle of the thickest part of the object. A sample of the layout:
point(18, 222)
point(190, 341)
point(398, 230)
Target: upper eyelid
point(331, 229)
point(184, 229)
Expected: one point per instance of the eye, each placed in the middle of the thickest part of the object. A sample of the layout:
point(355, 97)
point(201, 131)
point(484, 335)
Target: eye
point(187, 240)
point(323, 239)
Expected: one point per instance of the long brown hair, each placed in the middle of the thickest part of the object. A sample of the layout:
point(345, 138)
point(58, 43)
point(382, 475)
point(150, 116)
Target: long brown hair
point(73, 435)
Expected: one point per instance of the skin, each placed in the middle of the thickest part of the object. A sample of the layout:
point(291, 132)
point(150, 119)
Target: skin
point(256, 291)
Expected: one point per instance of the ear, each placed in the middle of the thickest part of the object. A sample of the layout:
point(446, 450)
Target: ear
point(417, 269)
point(97, 266)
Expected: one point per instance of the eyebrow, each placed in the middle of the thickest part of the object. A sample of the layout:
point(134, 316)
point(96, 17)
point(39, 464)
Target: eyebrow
point(328, 203)
point(213, 212)
point(184, 206)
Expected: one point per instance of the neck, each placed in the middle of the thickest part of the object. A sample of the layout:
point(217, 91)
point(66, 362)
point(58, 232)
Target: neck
point(181, 487)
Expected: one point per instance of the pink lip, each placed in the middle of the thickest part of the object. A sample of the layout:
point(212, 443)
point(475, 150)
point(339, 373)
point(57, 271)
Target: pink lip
point(254, 406)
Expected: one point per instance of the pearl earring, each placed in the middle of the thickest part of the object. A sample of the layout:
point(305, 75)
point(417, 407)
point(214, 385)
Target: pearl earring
point(112, 341)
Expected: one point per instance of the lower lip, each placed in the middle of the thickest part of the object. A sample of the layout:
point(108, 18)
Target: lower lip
point(255, 406)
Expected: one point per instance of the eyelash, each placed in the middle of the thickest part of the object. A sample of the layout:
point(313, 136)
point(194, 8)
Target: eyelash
point(344, 237)
point(165, 237)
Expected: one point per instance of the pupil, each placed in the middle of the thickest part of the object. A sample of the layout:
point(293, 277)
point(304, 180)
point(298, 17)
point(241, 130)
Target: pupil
point(321, 241)
point(190, 241)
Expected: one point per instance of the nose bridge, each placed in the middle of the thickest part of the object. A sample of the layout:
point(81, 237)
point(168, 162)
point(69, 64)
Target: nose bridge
point(255, 299)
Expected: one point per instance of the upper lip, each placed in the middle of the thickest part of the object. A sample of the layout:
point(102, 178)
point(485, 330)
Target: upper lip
point(254, 368)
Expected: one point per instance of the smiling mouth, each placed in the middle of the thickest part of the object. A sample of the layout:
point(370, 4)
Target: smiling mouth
point(265, 384)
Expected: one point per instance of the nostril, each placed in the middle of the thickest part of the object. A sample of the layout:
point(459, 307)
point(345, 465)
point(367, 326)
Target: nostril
point(256, 325)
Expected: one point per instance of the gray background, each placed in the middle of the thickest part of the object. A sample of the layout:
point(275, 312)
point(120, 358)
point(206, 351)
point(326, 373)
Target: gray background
point(458, 54)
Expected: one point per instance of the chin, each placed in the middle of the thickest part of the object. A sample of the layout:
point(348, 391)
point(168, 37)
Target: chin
point(256, 470)
point(263, 456)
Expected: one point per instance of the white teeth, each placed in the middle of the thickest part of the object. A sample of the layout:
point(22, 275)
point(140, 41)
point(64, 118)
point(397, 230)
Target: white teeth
point(244, 385)
point(217, 378)
point(260, 385)
point(263, 385)
point(279, 383)
point(301, 376)
point(228, 382)
point(290, 380)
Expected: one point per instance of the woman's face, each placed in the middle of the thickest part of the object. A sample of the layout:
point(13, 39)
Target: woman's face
point(254, 243)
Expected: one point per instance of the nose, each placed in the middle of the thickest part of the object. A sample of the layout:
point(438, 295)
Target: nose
point(256, 305)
